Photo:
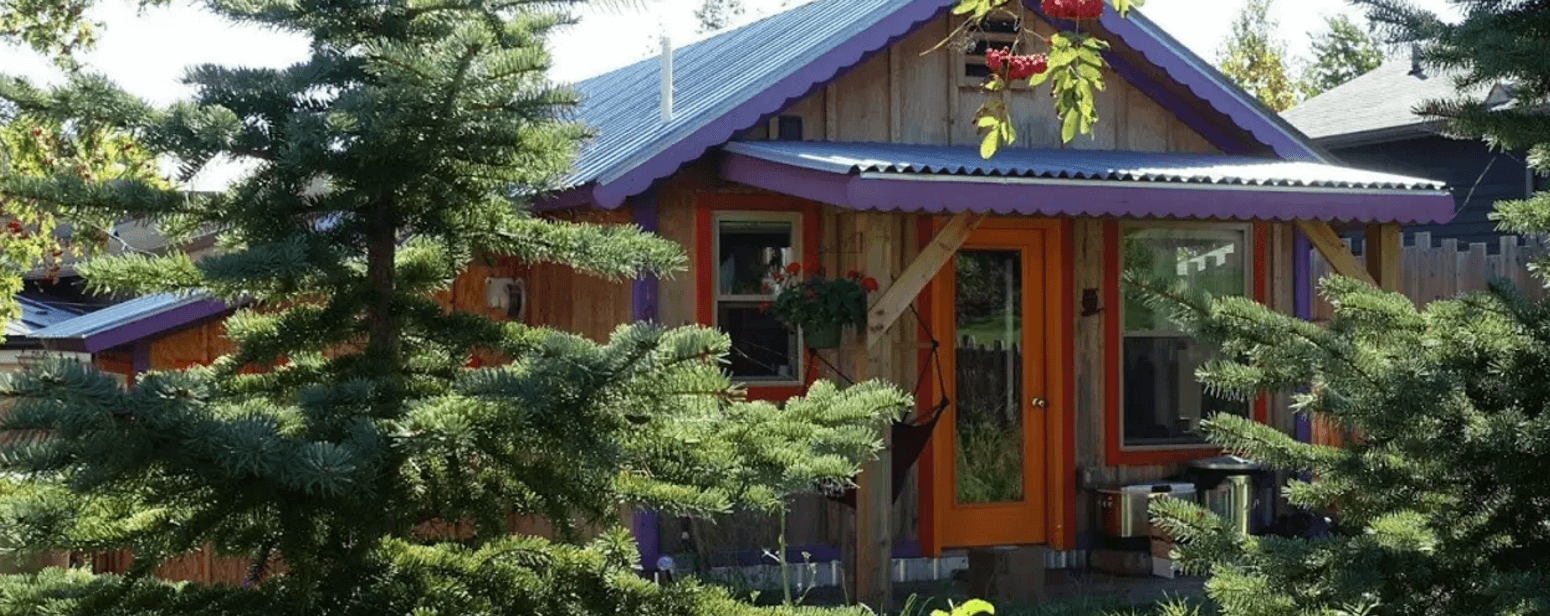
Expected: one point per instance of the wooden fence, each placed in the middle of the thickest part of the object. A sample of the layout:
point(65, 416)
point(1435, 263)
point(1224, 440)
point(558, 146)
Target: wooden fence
point(1429, 272)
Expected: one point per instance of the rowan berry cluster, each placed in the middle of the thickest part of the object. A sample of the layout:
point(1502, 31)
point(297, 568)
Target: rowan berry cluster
point(1002, 62)
point(1073, 9)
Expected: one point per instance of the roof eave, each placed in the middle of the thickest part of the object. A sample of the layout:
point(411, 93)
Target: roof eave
point(143, 327)
point(1109, 198)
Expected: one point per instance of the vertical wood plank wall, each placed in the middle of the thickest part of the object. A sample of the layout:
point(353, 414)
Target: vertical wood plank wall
point(903, 96)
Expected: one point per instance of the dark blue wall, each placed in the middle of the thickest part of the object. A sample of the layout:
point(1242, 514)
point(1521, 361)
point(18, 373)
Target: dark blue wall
point(1477, 176)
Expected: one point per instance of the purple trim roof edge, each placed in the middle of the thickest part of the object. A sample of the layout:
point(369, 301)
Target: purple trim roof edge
point(143, 328)
point(1114, 198)
point(611, 194)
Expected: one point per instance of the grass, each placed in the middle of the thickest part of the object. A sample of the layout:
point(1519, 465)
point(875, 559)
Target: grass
point(990, 464)
point(1082, 605)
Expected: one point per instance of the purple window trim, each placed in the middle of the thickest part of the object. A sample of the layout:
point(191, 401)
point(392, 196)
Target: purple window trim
point(1302, 300)
point(142, 360)
point(1121, 199)
point(643, 307)
point(143, 328)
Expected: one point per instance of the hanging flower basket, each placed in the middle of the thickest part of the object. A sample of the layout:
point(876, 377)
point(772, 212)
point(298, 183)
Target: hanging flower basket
point(823, 336)
point(820, 306)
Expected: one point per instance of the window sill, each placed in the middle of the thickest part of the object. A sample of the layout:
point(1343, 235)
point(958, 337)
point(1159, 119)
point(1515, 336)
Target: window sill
point(1160, 455)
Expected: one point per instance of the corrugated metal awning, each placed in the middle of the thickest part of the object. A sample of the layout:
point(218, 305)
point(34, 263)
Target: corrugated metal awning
point(890, 158)
point(877, 176)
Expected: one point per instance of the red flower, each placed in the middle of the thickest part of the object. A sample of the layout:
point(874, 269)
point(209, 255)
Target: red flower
point(764, 307)
point(853, 275)
point(14, 227)
point(794, 269)
point(1073, 9)
point(809, 294)
point(1023, 67)
point(869, 283)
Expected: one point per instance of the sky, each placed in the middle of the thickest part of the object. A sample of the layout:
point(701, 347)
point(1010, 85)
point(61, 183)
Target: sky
point(147, 51)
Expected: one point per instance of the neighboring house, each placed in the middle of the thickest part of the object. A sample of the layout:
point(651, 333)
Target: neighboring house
point(826, 134)
point(1369, 123)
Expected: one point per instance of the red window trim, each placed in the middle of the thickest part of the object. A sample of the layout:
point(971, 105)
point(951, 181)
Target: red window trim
point(1115, 453)
point(706, 206)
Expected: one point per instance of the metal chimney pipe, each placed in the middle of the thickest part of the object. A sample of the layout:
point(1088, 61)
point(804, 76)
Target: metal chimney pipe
point(667, 79)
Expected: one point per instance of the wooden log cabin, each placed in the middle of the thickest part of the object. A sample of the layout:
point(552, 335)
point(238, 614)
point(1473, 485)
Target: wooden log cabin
point(832, 135)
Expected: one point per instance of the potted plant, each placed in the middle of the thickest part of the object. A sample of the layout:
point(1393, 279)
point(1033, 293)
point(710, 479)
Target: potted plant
point(820, 306)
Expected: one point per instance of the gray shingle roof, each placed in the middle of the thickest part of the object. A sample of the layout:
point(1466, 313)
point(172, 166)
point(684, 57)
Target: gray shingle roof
point(1074, 164)
point(1381, 100)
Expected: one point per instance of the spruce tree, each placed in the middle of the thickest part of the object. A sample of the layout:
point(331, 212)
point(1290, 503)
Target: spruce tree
point(1439, 497)
point(346, 422)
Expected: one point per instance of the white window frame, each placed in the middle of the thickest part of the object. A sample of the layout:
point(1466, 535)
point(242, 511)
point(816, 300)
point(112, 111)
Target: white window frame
point(795, 219)
point(1247, 231)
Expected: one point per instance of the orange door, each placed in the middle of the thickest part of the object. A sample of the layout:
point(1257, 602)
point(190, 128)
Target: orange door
point(997, 310)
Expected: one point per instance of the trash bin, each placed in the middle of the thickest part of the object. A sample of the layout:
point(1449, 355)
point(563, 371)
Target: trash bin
point(1242, 491)
point(1122, 509)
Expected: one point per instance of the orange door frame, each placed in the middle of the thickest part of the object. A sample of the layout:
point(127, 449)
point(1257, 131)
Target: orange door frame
point(1047, 513)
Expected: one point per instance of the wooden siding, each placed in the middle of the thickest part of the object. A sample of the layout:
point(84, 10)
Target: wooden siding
point(910, 95)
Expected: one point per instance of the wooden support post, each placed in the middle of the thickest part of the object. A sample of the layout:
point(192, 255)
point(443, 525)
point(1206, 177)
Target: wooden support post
point(874, 494)
point(896, 298)
point(1334, 251)
point(1383, 255)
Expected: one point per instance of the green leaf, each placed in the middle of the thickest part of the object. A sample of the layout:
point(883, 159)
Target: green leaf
point(1068, 128)
point(989, 144)
point(1008, 133)
point(1039, 78)
point(987, 122)
point(974, 607)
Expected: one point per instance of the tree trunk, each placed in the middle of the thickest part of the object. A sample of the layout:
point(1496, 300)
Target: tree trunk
point(381, 246)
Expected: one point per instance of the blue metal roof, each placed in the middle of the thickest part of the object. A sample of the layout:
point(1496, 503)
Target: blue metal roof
point(116, 316)
point(711, 77)
point(889, 158)
point(40, 312)
point(728, 82)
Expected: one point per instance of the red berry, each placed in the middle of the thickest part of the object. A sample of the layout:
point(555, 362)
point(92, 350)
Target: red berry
point(995, 59)
point(1023, 67)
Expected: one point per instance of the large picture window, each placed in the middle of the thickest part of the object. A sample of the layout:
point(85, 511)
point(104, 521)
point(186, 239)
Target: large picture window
point(750, 247)
point(1163, 403)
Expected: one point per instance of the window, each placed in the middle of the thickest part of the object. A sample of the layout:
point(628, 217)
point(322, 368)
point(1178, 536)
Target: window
point(1163, 402)
point(994, 32)
point(750, 248)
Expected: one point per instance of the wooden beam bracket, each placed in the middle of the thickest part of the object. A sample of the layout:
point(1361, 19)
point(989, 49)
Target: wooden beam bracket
point(902, 292)
point(1334, 251)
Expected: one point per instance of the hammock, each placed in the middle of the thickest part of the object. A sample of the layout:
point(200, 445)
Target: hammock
point(910, 435)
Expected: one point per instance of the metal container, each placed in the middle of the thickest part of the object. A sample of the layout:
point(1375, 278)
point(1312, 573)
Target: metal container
point(1236, 489)
point(1122, 509)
